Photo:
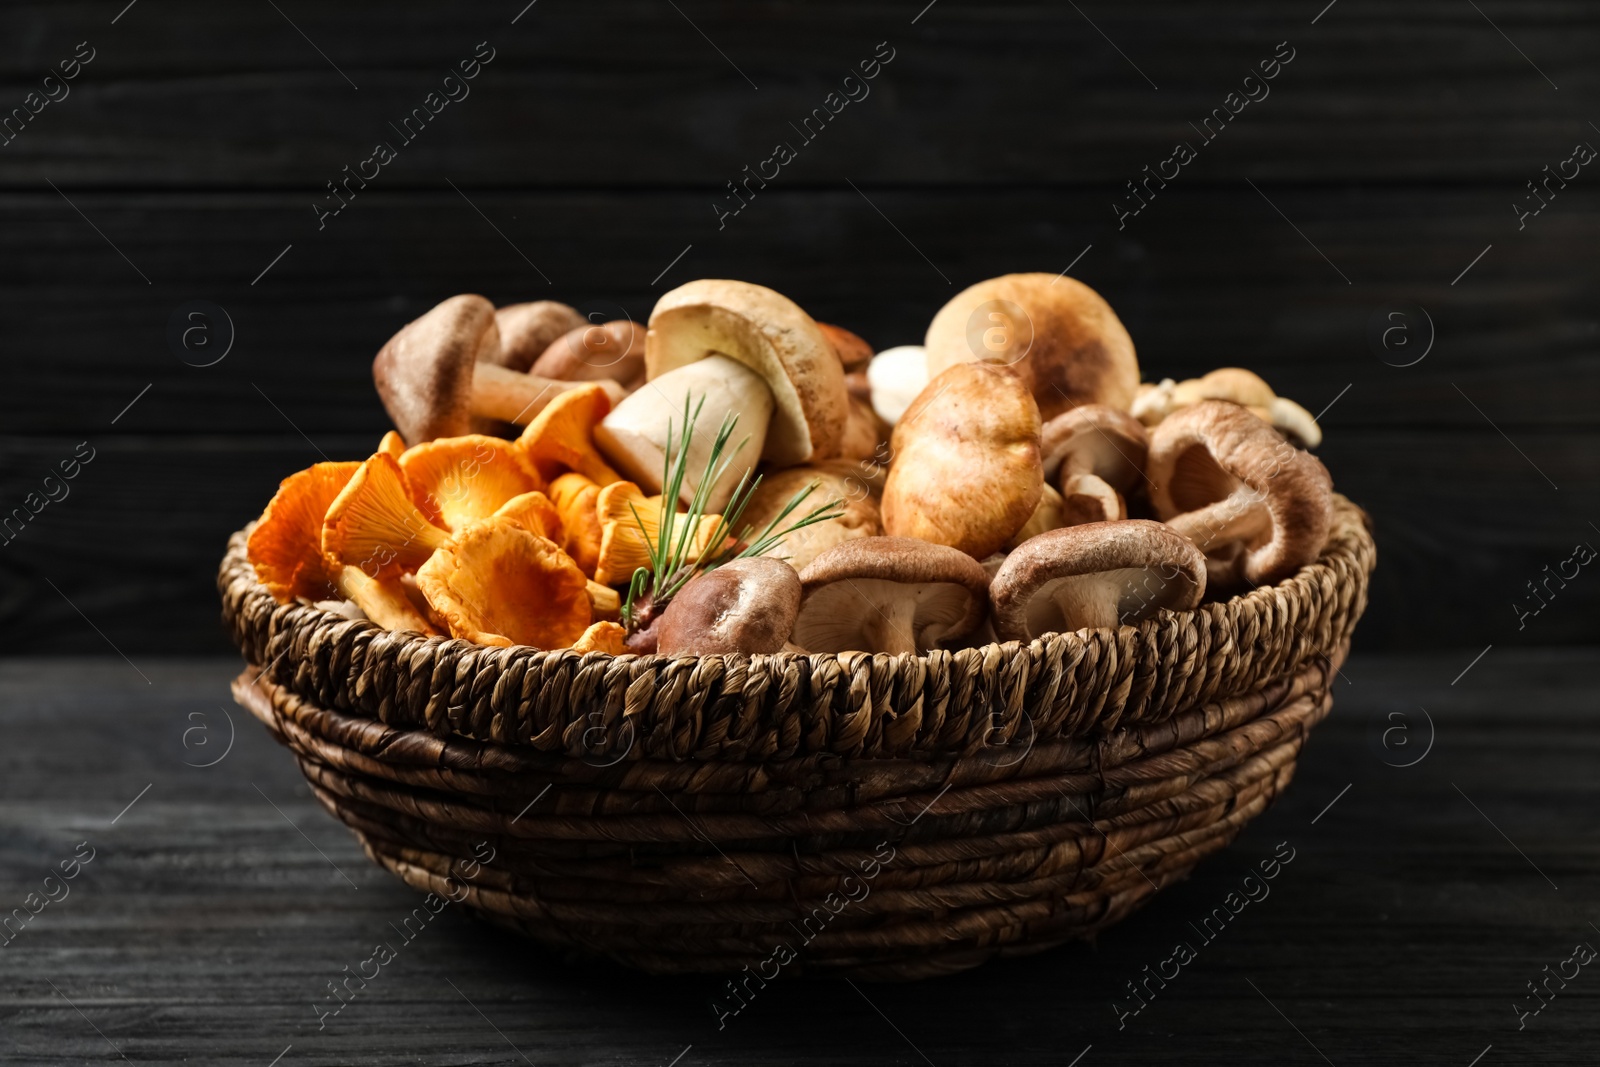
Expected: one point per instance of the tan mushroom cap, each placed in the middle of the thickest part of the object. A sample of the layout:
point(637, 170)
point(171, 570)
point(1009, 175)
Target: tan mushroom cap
point(834, 481)
point(966, 470)
point(526, 330)
point(770, 334)
point(746, 606)
point(1103, 574)
point(1095, 439)
point(889, 594)
point(424, 373)
point(1067, 344)
point(1258, 507)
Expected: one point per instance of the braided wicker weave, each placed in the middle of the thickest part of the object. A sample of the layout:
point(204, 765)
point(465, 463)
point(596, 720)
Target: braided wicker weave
point(884, 817)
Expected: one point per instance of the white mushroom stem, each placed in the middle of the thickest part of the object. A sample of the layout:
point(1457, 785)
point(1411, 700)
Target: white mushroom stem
point(634, 436)
point(1087, 601)
point(892, 628)
point(512, 396)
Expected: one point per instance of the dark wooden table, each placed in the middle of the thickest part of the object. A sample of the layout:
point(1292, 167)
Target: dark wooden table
point(1443, 828)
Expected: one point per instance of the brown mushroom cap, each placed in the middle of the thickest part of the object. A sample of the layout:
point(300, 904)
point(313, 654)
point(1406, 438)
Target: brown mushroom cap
point(1095, 439)
point(424, 374)
point(888, 594)
point(1102, 574)
point(746, 606)
point(591, 352)
point(1059, 335)
point(835, 481)
point(854, 353)
point(770, 334)
point(526, 330)
point(966, 470)
point(1258, 507)
point(1225, 383)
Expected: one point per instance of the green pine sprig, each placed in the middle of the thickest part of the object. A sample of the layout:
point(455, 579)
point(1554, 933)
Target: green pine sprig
point(669, 569)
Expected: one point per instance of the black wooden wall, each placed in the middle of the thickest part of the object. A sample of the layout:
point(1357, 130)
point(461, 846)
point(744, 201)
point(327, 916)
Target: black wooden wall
point(1374, 185)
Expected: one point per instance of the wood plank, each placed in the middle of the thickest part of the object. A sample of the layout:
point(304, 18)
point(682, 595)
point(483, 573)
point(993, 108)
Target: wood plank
point(1463, 524)
point(636, 94)
point(1204, 277)
point(207, 925)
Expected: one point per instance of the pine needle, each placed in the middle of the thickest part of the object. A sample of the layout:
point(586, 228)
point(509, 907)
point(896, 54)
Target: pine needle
point(669, 549)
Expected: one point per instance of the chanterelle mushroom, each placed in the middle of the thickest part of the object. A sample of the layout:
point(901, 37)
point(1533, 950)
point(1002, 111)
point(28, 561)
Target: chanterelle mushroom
point(966, 470)
point(888, 594)
point(437, 377)
point(1258, 507)
point(1061, 337)
point(747, 606)
point(1101, 574)
point(744, 350)
point(1098, 454)
point(498, 584)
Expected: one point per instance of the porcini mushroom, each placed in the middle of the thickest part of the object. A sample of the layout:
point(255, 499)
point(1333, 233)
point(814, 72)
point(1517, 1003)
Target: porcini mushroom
point(1258, 507)
point(562, 435)
point(497, 584)
point(895, 376)
point(1097, 454)
point(834, 481)
point(770, 334)
point(457, 480)
point(1060, 336)
point(285, 548)
point(436, 376)
point(888, 594)
point(636, 435)
point(966, 470)
point(746, 606)
point(1101, 574)
point(526, 330)
point(864, 432)
point(592, 352)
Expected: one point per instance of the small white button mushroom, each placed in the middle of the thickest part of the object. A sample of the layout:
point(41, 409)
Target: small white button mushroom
point(895, 595)
point(1103, 574)
point(896, 376)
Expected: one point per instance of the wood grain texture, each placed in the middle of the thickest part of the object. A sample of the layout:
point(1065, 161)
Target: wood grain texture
point(587, 165)
point(209, 923)
point(638, 94)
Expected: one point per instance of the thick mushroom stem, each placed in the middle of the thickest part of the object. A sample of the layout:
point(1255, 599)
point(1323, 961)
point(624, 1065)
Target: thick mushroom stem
point(892, 628)
point(512, 396)
point(1242, 516)
point(634, 435)
point(1087, 603)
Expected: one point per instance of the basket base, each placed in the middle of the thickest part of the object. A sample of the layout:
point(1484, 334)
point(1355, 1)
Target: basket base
point(875, 869)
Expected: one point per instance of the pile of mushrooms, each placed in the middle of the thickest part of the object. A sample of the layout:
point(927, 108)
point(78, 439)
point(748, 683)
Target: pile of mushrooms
point(1008, 478)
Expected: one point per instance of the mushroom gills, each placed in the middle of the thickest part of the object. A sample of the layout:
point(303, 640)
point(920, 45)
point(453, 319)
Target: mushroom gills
point(1107, 599)
point(1217, 510)
point(634, 435)
point(877, 615)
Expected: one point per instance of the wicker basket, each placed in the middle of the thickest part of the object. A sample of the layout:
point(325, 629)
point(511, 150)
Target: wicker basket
point(883, 817)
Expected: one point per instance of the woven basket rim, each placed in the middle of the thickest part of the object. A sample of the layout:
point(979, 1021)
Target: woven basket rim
point(1088, 681)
